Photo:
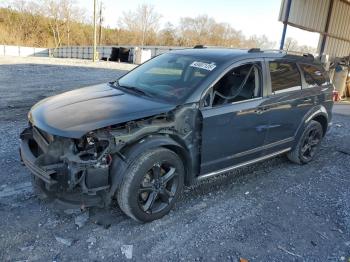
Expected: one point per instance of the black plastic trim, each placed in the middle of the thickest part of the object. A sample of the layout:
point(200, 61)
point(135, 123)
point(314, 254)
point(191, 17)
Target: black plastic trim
point(29, 161)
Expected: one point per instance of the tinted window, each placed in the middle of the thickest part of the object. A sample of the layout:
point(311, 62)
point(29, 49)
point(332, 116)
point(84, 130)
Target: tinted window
point(285, 77)
point(313, 76)
point(168, 77)
point(239, 84)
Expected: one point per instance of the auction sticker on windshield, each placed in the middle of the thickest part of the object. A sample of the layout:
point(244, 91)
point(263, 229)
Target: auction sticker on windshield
point(202, 65)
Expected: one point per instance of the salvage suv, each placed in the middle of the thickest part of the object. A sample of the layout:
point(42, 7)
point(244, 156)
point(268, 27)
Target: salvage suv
point(181, 117)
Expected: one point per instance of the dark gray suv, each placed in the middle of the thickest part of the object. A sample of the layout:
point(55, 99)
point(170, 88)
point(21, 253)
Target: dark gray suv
point(179, 118)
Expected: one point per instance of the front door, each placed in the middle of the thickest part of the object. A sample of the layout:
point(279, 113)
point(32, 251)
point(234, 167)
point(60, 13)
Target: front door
point(234, 122)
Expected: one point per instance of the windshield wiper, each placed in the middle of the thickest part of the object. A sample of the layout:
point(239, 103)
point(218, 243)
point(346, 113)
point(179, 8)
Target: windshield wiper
point(132, 88)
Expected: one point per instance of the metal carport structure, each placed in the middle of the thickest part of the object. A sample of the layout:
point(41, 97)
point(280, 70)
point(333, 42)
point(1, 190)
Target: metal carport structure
point(329, 18)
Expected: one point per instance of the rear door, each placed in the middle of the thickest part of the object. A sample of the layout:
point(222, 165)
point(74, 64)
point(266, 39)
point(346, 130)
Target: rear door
point(287, 103)
point(317, 86)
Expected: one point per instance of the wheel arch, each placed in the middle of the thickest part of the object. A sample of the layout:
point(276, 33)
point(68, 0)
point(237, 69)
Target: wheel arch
point(185, 157)
point(318, 114)
point(323, 120)
point(131, 152)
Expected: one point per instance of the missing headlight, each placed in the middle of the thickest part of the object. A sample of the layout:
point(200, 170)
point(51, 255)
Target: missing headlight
point(90, 147)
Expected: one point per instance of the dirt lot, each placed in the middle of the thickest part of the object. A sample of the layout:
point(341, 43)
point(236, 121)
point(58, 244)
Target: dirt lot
point(272, 211)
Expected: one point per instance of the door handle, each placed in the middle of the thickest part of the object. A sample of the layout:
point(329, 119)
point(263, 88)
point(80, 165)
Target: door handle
point(259, 111)
point(307, 100)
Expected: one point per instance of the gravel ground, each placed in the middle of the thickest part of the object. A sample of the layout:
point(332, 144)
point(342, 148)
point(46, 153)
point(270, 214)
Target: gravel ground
point(271, 211)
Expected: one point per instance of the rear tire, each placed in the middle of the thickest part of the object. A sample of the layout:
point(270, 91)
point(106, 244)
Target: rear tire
point(152, 184)
point(308, 144)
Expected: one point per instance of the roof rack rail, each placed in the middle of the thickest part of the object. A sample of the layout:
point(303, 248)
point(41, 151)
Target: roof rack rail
point(308, 55)
point(199, 46)
point(275, 50)
point(258, 50)
point(286, 52)
point(254, 50)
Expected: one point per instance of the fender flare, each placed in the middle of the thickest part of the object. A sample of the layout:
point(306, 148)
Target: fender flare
point(314, 112)
point(130, 153)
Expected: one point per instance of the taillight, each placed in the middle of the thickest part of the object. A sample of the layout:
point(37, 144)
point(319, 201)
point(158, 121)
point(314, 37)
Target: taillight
point(336, 96)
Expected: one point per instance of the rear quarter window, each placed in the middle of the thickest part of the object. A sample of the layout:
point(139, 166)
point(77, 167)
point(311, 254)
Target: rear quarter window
point(285, 77)
point(314, 76)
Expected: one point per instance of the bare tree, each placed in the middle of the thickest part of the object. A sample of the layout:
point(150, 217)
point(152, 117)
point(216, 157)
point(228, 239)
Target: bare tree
point(24, 6)
point(142, 22)
point(54, 12)
point(259, 41)
point(27, 18)
point(196, 30)
point(62, 13)
point(67, 13)
point(28, 21)
point(167, 36)
point(292, 44)
point(223, 34)
point(205, 30)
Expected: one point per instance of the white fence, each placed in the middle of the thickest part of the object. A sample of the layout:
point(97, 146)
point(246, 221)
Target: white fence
point(10, 50)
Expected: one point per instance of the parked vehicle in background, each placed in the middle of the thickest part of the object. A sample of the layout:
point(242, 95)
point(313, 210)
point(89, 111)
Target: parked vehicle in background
point(179, 118)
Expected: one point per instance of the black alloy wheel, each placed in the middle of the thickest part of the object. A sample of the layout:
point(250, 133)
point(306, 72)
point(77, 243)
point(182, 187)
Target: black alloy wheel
point(158, 187)
point(308, 144)
point(151, 185)
point(311, 143)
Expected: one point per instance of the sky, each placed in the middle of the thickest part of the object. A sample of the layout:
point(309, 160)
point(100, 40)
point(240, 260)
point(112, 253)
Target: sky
point(249, 16)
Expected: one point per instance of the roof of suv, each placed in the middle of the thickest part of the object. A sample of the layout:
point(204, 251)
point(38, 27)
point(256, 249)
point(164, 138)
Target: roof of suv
point(228, 54)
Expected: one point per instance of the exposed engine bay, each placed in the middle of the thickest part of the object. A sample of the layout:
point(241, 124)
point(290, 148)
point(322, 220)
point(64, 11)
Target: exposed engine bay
point(69, 165)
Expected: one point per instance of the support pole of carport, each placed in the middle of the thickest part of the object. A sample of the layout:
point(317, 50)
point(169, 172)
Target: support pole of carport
point(285, 24)
point(324, 36)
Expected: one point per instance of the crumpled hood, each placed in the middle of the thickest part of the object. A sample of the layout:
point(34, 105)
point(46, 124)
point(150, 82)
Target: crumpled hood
point(73, 114)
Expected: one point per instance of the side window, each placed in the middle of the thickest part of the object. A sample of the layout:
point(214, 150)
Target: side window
point(313, 76)
point(285, 76)
point(239, 84)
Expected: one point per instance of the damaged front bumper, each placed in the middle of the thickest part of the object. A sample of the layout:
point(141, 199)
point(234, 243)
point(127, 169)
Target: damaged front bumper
point(28, 159)
point(60, 172)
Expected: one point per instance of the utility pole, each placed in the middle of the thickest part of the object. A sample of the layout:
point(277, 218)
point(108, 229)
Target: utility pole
point(94, 52)
point(100, 32)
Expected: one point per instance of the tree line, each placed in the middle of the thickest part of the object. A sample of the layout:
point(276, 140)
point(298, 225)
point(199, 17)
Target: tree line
point(55, 23)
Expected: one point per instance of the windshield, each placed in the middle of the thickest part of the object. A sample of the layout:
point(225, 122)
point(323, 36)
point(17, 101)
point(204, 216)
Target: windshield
point(168, 77)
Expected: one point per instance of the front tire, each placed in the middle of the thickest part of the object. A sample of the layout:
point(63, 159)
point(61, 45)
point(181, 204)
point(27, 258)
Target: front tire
point(38, 188)
point(152, 184)
point(308, 144)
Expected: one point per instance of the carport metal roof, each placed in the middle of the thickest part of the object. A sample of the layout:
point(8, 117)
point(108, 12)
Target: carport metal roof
point(330, 18)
